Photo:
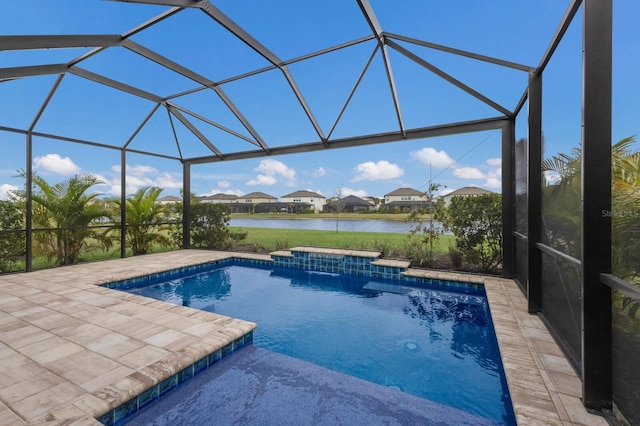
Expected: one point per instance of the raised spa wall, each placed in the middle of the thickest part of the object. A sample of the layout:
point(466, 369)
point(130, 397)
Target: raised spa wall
point(366, 264)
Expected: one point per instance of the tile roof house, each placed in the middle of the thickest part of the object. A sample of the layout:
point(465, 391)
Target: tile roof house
point(467, 191)
point(350, 204)
point(219, 198)
point(257, 198)
point(406, 199)
point(169, 199)
point(316, 200)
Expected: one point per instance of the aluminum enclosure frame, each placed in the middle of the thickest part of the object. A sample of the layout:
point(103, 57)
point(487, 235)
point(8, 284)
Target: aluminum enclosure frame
point(596, 369)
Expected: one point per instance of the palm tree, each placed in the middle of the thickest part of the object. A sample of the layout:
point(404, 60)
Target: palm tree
point(144, 220)
point(625, 212)
point(561, 198)
point(562, 219)
point(66, 210)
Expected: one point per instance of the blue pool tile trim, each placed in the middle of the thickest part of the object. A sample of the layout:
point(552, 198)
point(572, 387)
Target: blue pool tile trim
point(347, 265)
point(120, 414)
point(332, 263)
point(185, 271)
point(358, 266)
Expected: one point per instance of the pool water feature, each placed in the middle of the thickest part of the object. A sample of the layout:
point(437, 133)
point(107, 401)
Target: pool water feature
point(432, 341)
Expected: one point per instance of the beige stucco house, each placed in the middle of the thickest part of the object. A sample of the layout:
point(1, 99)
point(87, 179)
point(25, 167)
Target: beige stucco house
point(316, 200)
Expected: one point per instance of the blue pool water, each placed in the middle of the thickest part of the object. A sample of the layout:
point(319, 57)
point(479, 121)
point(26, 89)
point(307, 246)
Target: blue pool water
point(433, 342)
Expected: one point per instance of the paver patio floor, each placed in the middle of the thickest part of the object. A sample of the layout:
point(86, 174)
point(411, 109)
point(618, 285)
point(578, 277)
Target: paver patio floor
point(71, 350)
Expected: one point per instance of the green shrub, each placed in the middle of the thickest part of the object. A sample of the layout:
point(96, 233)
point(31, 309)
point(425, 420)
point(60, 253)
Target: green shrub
point(476, 222)
point(12, 241)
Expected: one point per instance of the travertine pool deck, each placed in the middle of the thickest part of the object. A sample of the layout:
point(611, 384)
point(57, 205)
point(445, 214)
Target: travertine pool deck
point(71, 350)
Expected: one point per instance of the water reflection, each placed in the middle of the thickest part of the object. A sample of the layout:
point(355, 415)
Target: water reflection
point(198, 291)
point(467, 317)
point(366, 225)
point(324, 281)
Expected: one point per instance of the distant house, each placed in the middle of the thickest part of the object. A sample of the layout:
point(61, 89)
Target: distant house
point(256, 198)
point(406, 199)
point(467, 191)
point(373, 200)
point(169, 199)
point(350, 204)
point(219, 198)
point(271, 208)
point(316, 200)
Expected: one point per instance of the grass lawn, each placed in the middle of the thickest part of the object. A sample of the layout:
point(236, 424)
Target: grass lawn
point(270, 239)
point(280, 239)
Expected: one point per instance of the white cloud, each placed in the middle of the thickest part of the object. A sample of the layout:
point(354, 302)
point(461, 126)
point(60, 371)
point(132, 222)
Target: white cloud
point(139, 176)
point(56, 164)
point(319, 172)
point(468, 173)
point(224, 191)
point(167, 181)
point(493, 183)
point(382, 170)
point(136, 169)
point(266, 180)
point(494, 178)
point(224, 188)
point(5, 189)
point(496, 174)
point(445, 192)
point(270, 171)
point(430, 157)
point(138, 181)
point(494, 161)
point(345, 192)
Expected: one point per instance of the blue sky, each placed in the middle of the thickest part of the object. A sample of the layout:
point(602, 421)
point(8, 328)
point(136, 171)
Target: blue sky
point(517, 31)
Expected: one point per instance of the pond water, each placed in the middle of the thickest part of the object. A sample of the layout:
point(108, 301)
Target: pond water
point(355, 225)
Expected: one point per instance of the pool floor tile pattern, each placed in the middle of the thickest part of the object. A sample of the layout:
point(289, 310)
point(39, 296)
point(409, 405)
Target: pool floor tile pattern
point(71, 350)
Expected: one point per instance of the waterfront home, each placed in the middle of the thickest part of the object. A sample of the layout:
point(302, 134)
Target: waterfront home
point(304, 196)
point(405, 199)
point(350, 204)
point(169, 199)
point(256, 198)
point(219, 198)
point(467, 191)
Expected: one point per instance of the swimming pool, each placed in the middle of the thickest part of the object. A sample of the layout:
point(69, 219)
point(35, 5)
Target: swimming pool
point(435, 342)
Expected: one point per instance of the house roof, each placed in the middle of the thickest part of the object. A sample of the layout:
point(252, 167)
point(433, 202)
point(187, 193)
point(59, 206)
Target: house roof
point(352, 200)
point(405, 191)
point(219, 197)
point(303, 193)
point(169, 199)
point(258, 195)
point(469, 190)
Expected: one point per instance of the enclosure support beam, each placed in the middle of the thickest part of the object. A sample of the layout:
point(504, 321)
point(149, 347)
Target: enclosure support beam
point(437, 71)
point(123, 203)
point(29, 176)
point(186, 205)
point(235, 29)
point(425, 132)
point(58, 41)
point(596, 199)
point(508, 199)
point(534, 190)
point(29, 205)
